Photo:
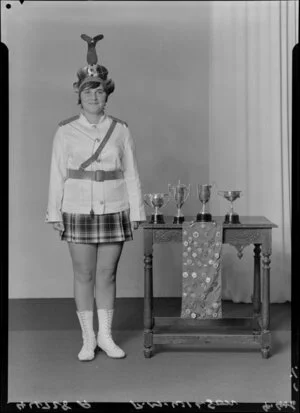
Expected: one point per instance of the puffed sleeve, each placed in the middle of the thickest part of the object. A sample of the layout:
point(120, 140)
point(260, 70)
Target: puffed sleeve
point(131, 176)
point(57, 179)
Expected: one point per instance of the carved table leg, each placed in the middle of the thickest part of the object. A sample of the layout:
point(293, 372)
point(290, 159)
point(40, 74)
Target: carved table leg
point(148, 294)
point(256, 298)
point(266, 335)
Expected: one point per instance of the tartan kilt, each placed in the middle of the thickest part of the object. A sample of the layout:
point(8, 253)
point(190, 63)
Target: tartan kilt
point(83, 229)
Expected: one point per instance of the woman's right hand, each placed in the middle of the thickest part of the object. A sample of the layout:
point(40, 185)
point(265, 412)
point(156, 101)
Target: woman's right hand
point(58, 226)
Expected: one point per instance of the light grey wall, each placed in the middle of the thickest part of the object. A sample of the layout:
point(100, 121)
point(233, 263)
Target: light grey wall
point(157, 54)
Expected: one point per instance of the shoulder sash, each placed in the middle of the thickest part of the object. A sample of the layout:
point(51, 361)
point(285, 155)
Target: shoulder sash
point(100, 147)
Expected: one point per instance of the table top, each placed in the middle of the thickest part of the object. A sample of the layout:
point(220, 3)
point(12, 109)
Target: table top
point(245, 222)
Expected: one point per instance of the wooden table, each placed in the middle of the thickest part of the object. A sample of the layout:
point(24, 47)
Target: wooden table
point(251, 331)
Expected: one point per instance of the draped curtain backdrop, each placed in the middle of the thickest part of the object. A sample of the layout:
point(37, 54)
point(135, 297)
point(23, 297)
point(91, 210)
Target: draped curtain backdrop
point(250, 129)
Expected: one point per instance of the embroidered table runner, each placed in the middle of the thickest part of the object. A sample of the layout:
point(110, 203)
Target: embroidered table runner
point(201, 270)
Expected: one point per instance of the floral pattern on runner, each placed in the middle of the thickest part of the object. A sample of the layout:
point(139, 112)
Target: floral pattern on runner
point(201, 270)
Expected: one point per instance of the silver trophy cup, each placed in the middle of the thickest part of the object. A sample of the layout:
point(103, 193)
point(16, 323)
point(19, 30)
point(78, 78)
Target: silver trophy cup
point(231, 217)
point(180, 194)
point(157, 201)
point(204, 192)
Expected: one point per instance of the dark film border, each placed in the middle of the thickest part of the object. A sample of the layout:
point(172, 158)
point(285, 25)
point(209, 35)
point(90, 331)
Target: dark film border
point(148, 406)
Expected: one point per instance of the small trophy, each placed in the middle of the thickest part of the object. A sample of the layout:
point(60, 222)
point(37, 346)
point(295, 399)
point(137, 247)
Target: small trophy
point(231, 217)
point(157, 201)
point(180, 193)
point(204, 195)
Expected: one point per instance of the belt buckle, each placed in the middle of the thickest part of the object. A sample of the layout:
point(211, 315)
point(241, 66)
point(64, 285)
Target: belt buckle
point(99, 175)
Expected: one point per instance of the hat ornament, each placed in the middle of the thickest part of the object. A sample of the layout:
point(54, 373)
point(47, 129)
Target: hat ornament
point(93, 71)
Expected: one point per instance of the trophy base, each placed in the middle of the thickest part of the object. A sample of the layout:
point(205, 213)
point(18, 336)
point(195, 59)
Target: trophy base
point(157, 219)
point(206, 217)
point(178, 220)
point(232, 219)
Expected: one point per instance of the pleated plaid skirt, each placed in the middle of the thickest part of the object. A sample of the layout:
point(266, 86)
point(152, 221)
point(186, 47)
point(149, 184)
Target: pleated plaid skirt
point(83, 229)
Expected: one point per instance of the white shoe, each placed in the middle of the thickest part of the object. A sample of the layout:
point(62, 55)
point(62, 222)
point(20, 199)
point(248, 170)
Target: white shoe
point(87, 351)
point(104, 338)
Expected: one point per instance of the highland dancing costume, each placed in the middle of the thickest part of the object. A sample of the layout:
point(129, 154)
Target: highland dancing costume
point(94, 190)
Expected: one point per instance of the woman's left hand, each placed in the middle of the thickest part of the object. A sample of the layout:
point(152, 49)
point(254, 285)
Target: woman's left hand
point(134, 225)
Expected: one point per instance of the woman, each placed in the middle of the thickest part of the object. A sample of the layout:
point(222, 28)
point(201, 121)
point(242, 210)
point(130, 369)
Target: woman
point(95, 200)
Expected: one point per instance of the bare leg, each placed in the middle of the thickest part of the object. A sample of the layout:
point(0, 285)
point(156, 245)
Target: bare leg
point(107, 263)
point(84, 260)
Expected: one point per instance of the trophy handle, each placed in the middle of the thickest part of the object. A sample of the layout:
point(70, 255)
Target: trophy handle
point(170, 188)
point(146, 201)
point(214, 185)
point(188, 192)
point(168, 200)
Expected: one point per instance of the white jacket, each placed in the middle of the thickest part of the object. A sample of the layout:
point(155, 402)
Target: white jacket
point(74, 142)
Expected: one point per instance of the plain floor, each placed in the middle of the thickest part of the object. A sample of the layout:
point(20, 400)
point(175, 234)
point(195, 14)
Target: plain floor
point(44, 339)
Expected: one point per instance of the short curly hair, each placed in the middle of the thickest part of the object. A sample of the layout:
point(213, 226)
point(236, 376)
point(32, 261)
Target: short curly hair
point(90, 77)
point(108, 87)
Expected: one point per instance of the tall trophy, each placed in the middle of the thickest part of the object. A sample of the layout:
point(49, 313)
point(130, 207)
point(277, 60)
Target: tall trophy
point(157, 201)
point(204, 196)
point(180, 193)
point(231, 217)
